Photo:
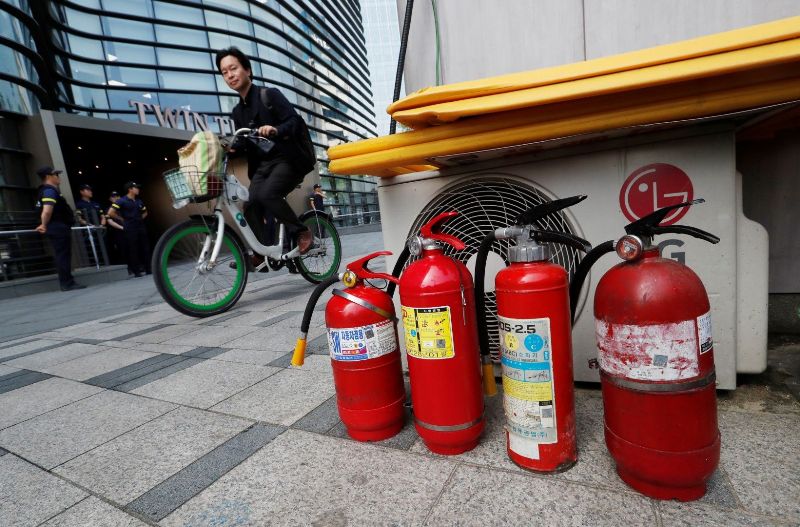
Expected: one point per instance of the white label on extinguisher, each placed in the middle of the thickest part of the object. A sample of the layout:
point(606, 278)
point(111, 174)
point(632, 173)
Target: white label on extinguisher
point(527, 361)
point(363, 342)
point(704, 333)
point(651, 352)
point(428, 332)
point(523, 446)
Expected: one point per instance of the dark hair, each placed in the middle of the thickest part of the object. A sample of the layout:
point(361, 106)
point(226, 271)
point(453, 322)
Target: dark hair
point(234, 52)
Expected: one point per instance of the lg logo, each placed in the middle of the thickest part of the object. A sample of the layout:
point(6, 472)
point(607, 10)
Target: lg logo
point(678, 256)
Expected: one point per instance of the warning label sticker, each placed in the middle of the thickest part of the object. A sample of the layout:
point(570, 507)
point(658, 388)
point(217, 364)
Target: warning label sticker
point(704, 333)
point(428, 332)
point(528, 379)
point(362, 343)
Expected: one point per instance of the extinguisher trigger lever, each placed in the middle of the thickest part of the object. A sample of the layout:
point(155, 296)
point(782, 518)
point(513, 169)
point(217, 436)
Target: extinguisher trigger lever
point(564, 238)
point(432, 231)
point(538, 212)
point(359, 268)
point(686, 229)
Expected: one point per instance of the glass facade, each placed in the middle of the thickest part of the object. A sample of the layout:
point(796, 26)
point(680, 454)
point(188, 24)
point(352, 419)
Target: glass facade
point(137, 60)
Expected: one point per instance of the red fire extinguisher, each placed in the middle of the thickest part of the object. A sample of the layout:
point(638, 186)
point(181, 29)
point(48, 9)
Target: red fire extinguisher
point(365, 354)
point(535, 341)
point(656, 354)
point(438, 309)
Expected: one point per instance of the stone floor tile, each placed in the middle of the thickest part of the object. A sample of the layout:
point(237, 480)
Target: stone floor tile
point(677, 514)
point(160, 335)
point(211, 336)
point(597, 468)
point(760, 456)
point(113, 330)
point(25, 346)
point(5, 370)
point(589, 421)
point(318, 363)
point(321, 419)
point(282, 398)
point(29, 495)
point(134, 462)
point(404, 440)
point(250, 356)
point(205, 384)
point(479, 496)
point(58, 436)
point(280, 337)
point(54, 356)
point(302, 478)
point(88, 366)
point(28, 402)
point(95, 513)
point(172, 349)
point(719, 491)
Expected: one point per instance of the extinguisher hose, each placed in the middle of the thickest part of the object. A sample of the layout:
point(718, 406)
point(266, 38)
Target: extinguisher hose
point(489, 384)
point(298, 357)
point(583, 270)
point(398, 268)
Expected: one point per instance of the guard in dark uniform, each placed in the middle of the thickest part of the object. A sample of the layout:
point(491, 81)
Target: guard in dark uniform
point(91, 213)
point(57, 219)
point(131, 211)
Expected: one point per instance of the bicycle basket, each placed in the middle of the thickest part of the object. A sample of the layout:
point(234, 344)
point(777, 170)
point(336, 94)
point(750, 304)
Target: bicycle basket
point(187, 184)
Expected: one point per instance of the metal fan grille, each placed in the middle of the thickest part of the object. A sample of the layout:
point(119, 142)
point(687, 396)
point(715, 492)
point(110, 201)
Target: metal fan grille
point(483, 205)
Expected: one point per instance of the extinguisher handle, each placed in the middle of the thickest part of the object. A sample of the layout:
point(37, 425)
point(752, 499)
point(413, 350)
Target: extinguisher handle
point(359, 267)
point(564, 238)
point(644, 226)
point(431, 230)
point(534, 214)
point(686, 229)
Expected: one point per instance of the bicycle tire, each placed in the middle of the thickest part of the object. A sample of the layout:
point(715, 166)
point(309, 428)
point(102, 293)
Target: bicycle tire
point(175, 262)
point(318, 267)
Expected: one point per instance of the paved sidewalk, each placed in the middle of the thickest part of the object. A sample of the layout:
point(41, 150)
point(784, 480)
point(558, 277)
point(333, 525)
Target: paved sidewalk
point(150, 417)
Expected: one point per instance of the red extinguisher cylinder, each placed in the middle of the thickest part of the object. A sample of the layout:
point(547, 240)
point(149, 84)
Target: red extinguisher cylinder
point(365, 356)
point(536, 343)
point(653, 331)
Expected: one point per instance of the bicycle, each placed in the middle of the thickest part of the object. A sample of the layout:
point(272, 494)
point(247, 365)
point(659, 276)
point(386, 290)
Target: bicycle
point(199, 266)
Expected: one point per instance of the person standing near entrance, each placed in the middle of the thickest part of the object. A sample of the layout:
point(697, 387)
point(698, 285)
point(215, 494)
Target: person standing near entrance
point(114, 234)
point(90, 213)
point(57, 220)
point(316, 199)
point(272, 174)
point(131, 211)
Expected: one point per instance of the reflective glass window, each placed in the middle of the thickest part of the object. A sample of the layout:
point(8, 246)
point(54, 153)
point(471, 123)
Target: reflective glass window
point(131, 76)
point(95, 4)
point(89, 97)
point(170, 12)
point(83, 22)
point(193, 103)
point(83, 71)
point(130, 7)
point(85, 47)
point(184, 59)
point(219, 41)
point(121, 99)
point(122, 28)
point(179, 80)
point(119, 51)
point(182, 36)
point(230, 22)
point(228, 102)
point(233, 5)
point(16, 98)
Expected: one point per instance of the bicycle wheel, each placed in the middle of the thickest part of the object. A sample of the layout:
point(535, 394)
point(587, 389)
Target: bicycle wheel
point(323, 262)
point(188, 283)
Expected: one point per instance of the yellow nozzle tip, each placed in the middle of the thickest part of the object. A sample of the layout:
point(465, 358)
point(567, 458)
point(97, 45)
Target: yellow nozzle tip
point(489, 384)
point(299, 355)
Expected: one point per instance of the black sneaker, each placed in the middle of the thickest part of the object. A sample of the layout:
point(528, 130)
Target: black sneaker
point(72, 287)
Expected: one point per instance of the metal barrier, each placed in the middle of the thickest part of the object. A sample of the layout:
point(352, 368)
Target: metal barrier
point(358, 218)
point(26, 253)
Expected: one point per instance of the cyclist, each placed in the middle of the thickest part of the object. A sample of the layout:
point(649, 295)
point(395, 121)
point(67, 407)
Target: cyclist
point(272, 176)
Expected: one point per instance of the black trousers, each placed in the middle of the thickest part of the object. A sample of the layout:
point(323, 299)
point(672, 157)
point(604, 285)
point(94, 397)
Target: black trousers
point(60, 236)
point(272, 181)
point(137, 249)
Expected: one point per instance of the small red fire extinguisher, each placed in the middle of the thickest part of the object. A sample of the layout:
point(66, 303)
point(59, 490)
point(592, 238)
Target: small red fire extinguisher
point(656, 354)
point(365, 353)
point(438, 310)
point(535, 341)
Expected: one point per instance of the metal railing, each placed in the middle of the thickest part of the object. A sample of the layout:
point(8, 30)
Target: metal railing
point(25, 253)
point(358, 218)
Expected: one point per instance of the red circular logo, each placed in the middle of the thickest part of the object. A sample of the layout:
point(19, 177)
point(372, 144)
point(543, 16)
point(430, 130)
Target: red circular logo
point(655, 186)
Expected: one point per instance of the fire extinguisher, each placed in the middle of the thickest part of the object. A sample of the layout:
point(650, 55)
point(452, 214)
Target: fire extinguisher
point(656, 355)
point(535, 341)
point(438, 310)
point(365, 354)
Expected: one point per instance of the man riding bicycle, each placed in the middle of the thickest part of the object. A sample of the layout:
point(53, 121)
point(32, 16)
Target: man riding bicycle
point(271, 170)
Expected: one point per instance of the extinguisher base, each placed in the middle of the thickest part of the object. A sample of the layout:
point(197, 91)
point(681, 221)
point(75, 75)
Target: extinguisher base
point(659, 492)
point(376, 435)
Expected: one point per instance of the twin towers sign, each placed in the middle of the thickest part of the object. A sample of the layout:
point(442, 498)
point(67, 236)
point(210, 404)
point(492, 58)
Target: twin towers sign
point(181, 118)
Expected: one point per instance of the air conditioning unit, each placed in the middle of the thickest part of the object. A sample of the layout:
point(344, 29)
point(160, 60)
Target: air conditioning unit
point(489, 189)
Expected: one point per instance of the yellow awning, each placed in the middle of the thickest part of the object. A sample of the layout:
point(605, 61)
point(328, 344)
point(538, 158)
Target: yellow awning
point(737, 70)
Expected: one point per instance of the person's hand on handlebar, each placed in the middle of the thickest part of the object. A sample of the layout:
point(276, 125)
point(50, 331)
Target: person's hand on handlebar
point(267, 131)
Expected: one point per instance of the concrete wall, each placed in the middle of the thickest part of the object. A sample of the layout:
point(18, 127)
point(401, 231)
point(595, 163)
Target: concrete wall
point(482, 39)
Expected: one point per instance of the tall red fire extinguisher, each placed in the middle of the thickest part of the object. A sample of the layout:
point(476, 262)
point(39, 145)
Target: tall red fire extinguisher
point(656, 354)
point(535, 341)
point(365, 353)
point(438, 309)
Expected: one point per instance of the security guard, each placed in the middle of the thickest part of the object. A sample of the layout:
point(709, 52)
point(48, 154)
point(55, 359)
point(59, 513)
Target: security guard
point(131, 211)
point(57, 219)
point(91, 213)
